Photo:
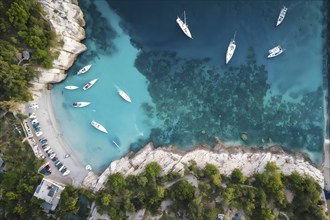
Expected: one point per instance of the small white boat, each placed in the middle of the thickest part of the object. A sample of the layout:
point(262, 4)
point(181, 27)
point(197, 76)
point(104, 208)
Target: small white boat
point(88, 167)
point(282, 15)
point(84, 69)
point(124, 95)
point(98, 126)
point(231, 49)
point(183, 25)
point(71, 87)
point(80, 104)
point(275, 51)
point(90, 84)
point(116, 142)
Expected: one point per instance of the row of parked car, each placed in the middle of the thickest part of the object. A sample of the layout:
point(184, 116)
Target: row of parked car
point(52, 155)
point(44, 144)
point(35, 124)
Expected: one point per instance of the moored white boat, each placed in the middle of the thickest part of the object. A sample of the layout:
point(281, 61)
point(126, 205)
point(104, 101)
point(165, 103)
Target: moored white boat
point(282, 15)
point(90, 84)
point(116, 142)
point(71, 87)
point(88, 167)
point(124, 95)
point(275, 51)
point(98, 126)
point(84, 69)
point(231, 49)
point(80, 104)
point(183, 25)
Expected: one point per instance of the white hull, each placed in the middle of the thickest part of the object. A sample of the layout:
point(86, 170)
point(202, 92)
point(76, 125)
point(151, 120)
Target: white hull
point(84, 69)
point(114, 142)
point(230, 51)
point(98, 126)
point(124, 95)
point(80, 104)
point(275, 51)
point(90, 84)
point(88, 167)
point(184, 26)
point(71, 87)
point(281, 16)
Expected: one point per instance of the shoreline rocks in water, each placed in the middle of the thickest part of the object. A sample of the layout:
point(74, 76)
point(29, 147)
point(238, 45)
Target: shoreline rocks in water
point(226, 159)
point(67, 20)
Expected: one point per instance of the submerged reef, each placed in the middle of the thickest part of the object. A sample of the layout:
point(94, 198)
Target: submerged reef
point(197, 102)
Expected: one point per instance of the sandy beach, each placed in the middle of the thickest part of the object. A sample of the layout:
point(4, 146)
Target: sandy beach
point(48, 124)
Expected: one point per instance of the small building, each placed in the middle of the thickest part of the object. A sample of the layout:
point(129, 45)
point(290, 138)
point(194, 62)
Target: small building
point(25, 55)
point(50, 192)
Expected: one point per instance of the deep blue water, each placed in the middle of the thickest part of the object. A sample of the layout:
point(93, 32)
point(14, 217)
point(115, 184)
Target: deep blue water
point(182, 91)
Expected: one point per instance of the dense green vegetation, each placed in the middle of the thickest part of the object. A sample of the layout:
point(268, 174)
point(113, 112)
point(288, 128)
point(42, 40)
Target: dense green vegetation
point(200, 194)
point(262, 196)
point(22, 28)
point(19, 182)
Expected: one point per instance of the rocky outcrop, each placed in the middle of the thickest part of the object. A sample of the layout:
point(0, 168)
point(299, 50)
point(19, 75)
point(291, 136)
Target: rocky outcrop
point(226, 159)
point(67, 20)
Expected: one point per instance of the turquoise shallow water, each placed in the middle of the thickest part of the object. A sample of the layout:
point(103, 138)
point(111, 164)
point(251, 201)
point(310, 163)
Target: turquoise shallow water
point(124, 121)
point(182, 91)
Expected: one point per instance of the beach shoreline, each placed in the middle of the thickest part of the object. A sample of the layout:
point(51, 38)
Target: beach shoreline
point(48, 124)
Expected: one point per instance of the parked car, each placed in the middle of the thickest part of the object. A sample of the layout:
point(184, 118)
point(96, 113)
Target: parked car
point(39, 133)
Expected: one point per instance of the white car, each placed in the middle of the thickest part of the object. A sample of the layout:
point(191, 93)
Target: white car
point(67, 172)
point(35, 121)
point(39, 133)
point(32, 115)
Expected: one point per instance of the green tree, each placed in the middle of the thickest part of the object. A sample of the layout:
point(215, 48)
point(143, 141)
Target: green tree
point(116, 183)
point(182, 192)
point(18, 14)
point(195, 209)
point(153, 170)
point(106, 199)
point(69, 201)
point(212, 172)
point(237, 176)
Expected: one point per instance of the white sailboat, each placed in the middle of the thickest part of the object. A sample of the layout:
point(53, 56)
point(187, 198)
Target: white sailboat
point(84, 69)
point(80, 104)
point(90, 84)
point(231, 49)
point(124, 95)
point(99, 127)
point(275, 51)
point(282, 15)
point(183, 25)
point(71, 87)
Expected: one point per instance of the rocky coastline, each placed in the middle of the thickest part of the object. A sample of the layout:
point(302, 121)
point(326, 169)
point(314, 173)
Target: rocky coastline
point(225, 158)
point(67, 20)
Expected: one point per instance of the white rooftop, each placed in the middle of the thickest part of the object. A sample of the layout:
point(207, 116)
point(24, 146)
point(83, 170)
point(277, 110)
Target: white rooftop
point(49, 192)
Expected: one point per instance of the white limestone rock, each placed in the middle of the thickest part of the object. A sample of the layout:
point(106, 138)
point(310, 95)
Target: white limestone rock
point(226, 159)
point(66, 19)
